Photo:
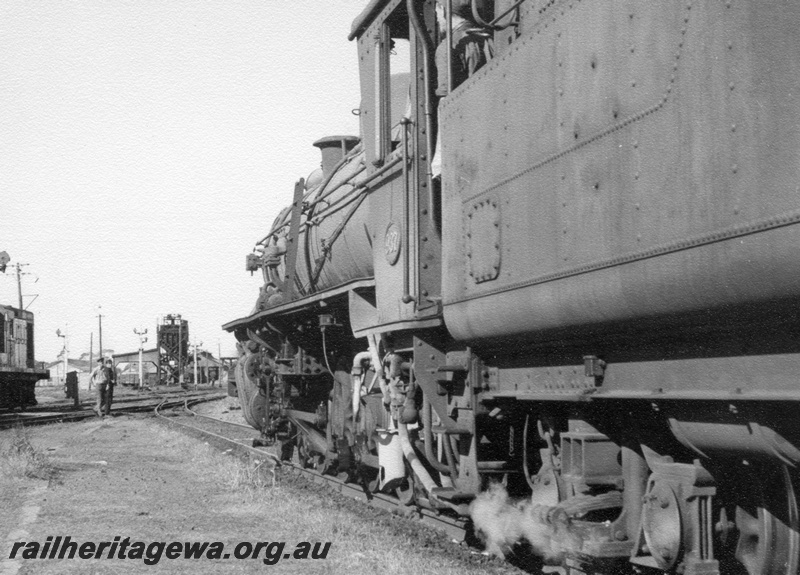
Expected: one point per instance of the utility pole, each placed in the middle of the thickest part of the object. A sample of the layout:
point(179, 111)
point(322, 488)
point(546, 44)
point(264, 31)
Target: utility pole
point(100, 319)
point(180, 350)
point(195, 362)
point(66, 350)
point(19, 288)
point(142, 340)
point(91, 357)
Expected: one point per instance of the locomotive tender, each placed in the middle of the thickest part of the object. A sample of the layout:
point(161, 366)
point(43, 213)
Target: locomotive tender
point(594, 303)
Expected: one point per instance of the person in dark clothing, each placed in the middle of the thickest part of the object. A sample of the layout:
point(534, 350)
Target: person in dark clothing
point(103, 377)
point(472, 47)
point(111, 376)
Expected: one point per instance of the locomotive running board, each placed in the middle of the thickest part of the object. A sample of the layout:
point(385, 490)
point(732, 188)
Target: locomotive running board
point(298, 304)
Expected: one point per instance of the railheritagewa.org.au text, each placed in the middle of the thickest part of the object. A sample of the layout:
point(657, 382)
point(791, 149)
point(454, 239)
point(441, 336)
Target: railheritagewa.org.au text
point(150, 553)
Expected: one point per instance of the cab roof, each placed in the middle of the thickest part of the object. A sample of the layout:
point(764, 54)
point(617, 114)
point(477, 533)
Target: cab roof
point(366, 17)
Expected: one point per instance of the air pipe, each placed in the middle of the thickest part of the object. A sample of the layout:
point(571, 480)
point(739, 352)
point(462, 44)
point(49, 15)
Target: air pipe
point(407, 297)
point(494, 24)
point(426, 73)
point(376, 361)
point(357, 374)
point(427, 419)
point(416, 465)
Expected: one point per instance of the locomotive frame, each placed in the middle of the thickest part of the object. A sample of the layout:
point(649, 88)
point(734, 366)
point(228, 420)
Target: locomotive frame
point(595, 304)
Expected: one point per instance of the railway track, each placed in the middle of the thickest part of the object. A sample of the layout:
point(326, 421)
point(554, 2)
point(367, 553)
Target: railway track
point(64, 413)
point(244, 439)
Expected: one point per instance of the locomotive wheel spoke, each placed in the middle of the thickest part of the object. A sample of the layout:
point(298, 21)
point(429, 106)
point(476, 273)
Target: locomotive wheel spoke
point(769, 536)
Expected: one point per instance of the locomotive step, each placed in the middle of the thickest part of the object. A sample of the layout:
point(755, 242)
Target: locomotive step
point(451, 494)
point(450, 430)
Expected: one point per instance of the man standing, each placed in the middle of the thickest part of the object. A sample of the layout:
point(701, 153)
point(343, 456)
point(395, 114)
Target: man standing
point(111, 378)
point(99, 377)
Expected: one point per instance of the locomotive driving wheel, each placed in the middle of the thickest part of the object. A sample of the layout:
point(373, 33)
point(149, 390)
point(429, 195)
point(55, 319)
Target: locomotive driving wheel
point(769, 525)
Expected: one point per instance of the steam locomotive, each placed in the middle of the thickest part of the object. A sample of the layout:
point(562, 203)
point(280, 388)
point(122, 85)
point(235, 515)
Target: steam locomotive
point(588, 314)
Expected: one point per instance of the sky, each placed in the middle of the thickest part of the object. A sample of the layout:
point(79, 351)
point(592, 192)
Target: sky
point(146, 145)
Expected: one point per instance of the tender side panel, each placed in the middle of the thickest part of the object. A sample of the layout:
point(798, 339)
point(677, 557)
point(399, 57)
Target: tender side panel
point(624, 160)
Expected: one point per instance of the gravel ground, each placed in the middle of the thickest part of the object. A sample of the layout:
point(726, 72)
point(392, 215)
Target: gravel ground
point(129, 478)
point(225, 409)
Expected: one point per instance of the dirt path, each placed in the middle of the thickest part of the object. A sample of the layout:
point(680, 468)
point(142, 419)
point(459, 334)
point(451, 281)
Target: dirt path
point(127, 477)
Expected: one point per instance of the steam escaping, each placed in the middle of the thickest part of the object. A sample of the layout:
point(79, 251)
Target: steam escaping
point(502, 523)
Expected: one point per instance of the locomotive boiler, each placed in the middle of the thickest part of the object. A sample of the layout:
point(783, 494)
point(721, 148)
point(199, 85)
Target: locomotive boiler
point(554, 282)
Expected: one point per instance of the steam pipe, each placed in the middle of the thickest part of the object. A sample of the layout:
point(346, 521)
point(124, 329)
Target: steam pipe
point(416, 465)
point(351, 196)
point(494, 23)
point(525, 467)
point(357, 381)
point(395, 365)
point(360, 357)
point(334, 236)
point(449, 32)
point(427, 418)
point(316, 440)
point(407, 297)
point(451, 458)
point(426, 74)
point(357, 375)
point(376, 361)
point(516, 5)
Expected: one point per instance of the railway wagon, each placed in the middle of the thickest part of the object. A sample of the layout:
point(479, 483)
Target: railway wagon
point(18, 370)
point(555, 282)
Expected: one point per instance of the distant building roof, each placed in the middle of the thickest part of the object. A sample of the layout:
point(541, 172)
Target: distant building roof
point(75, 364)
point(149, 355)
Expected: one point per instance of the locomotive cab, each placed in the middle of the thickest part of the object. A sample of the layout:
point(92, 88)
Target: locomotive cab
point(398, 130)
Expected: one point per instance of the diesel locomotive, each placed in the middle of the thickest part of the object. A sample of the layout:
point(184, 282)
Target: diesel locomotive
point(19, 371)
point(560, 263)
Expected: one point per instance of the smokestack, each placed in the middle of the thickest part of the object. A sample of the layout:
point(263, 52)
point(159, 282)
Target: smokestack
point(333, 149)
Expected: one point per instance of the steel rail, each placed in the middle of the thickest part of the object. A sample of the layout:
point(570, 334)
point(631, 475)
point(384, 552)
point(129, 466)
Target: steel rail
point(219, 439)
point(7, 422)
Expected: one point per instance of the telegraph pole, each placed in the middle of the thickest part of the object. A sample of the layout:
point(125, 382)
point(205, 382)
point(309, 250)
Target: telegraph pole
point(195, 364)
point(100, 319)
point(194, 347)
point(180, 350)
point(142, 340)
point(19, 285)
point(91, 357)
point(66, 349)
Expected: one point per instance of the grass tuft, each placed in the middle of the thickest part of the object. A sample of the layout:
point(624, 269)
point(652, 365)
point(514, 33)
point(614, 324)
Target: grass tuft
point(19, 459)
point(251, 475)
